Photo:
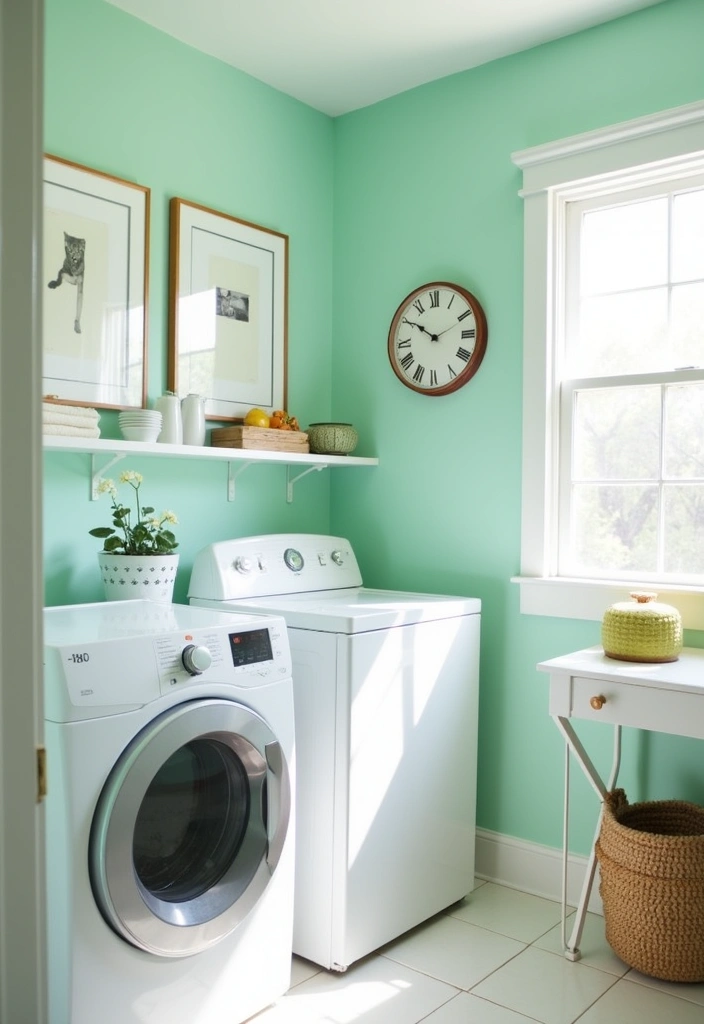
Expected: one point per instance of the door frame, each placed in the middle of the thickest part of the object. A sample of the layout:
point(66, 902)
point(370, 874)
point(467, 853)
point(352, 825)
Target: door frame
point(22, 886)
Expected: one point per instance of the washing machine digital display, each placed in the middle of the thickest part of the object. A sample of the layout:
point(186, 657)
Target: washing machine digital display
point(250, 647)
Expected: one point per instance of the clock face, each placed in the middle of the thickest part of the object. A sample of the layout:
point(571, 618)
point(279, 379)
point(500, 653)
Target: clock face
point(437, 338)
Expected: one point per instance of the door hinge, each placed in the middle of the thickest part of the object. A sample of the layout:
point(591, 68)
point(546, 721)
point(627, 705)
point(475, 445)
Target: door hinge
point(41, 774)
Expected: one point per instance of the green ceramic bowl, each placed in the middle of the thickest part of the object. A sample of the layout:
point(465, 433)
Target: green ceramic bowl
point(332, 438)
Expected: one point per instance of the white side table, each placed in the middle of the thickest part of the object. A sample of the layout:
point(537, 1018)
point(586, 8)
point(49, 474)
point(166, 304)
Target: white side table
point(587, 685)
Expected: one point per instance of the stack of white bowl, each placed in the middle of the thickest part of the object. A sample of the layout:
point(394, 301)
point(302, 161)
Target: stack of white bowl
point(140, 424)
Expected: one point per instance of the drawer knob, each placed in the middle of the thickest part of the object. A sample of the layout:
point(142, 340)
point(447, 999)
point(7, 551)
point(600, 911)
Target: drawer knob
point(597, 702)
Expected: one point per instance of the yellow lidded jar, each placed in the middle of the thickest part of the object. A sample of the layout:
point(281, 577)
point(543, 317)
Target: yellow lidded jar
point(642, 629)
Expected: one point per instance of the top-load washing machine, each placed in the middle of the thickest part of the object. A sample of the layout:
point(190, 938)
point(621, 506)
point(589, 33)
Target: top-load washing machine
point(385, 697)
point(170, 839)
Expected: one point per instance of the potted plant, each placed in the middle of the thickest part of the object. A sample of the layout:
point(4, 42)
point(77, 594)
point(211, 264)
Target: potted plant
point(137, 560)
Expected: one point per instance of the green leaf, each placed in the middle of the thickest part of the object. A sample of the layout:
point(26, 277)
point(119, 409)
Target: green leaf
point(146, 510)
point(164, 543)
point(112, 544)
point(101, 531)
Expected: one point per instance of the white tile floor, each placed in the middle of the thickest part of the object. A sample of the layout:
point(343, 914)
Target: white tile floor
point(494, 958)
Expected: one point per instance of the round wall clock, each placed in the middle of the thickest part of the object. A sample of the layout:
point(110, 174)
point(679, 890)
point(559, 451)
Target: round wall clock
point(437, 338)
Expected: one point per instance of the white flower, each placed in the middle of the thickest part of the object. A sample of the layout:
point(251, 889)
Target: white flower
point(169, 517)
point(131, 476)
point(107, 486)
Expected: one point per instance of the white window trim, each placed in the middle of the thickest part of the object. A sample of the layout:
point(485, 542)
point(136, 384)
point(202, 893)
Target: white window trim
point(666, 142)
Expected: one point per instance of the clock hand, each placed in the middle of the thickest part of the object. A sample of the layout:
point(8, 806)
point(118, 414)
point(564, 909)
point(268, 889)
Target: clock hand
point(412, 323)
point(446, 330)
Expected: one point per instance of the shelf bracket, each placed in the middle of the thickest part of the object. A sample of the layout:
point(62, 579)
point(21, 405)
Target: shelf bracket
point(97, 473)
point(291, 480)
point(232, 475)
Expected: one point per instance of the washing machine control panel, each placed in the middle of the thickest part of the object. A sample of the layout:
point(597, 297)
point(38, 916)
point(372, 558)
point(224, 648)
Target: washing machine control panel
point(296, 563)
point(91, 678)
point(247, 656)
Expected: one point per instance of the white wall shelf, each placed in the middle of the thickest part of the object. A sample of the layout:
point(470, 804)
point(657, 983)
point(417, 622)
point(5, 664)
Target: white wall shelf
point(105, 453)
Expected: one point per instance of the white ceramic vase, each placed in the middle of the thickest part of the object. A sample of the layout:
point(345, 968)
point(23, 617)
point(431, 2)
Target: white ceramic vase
point(129, 577)
point(193, 416)
point(169, 405)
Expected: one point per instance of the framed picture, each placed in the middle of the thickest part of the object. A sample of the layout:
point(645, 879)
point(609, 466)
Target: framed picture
point(228, 311)
point(94, 286)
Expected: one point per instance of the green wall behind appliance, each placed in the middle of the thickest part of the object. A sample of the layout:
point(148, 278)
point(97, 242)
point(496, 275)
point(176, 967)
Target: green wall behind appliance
point(124, 98)
point(425, 190)
point(416, 188)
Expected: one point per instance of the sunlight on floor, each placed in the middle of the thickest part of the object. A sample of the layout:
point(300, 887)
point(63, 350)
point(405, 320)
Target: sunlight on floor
point(351, 1001)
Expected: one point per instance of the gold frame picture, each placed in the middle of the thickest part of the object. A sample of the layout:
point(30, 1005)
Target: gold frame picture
point(228, 316)
point(95, 270)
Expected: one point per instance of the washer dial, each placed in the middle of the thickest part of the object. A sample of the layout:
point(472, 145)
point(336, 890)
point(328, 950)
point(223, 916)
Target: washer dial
point(196, 659)
point(293, 559)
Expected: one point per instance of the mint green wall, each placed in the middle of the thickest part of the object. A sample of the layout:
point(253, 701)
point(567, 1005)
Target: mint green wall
point(126, 99)
point(425, 190)
point(415, 188)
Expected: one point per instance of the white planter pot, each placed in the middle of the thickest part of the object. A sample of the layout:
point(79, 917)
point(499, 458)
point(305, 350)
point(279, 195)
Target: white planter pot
point(127, 577)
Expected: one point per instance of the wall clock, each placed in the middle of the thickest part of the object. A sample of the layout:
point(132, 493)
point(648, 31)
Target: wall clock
point(437, 338)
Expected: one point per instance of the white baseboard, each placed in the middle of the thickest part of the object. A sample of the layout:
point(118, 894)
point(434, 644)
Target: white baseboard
point(532, 868)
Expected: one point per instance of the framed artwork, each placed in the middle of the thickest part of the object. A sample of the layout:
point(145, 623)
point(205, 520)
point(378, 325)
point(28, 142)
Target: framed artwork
point(94, 283)
point(228, 311)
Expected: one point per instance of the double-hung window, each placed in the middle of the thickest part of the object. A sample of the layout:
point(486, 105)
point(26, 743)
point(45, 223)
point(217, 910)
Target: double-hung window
point(613, 468)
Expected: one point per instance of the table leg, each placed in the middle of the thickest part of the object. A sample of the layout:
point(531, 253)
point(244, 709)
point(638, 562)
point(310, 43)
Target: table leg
point(574, 745)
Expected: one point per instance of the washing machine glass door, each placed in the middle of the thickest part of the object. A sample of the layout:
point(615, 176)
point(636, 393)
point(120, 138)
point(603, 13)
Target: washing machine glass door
point(189, 827)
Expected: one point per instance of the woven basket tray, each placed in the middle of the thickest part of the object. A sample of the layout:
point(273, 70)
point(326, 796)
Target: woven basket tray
point(260, 439)
point(651, 858)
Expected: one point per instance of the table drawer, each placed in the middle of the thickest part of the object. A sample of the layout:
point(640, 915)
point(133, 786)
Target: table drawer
point(643, 707)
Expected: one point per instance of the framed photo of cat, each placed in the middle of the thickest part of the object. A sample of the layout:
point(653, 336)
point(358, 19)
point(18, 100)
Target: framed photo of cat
point(227, 311)
point(95, 287)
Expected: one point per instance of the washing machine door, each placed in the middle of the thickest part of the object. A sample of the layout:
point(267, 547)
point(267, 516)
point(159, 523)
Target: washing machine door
point(189, 827)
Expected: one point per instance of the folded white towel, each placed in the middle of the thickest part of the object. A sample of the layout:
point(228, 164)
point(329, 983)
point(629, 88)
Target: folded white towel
point(49, 416)
point(70, 431)
point(80, 412)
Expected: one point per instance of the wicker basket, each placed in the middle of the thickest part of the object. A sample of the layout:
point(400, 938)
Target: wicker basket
point(651, 857)
point(263, 439)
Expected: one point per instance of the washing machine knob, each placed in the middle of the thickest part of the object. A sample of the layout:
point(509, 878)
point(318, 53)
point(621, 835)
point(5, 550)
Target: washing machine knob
point(337, 557)
point(242, 564)
point(196, 659)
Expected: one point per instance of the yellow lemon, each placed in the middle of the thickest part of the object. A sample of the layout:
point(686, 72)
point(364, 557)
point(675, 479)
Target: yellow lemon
point(256, 418)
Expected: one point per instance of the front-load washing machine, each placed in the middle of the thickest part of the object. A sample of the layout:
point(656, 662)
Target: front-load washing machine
point(170, 839)
point(385, 696)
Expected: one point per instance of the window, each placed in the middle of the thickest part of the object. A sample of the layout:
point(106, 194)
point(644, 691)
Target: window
point(613, 469)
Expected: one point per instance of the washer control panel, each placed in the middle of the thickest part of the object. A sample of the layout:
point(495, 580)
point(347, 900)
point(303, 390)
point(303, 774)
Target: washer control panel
point(247, 656)
point(273, 564)
point(87, 677)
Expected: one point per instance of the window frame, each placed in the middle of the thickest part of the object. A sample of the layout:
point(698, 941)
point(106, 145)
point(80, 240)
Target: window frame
point(664, 146)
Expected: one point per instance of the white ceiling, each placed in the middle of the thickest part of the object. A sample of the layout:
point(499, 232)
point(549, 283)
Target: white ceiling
point(339, 55)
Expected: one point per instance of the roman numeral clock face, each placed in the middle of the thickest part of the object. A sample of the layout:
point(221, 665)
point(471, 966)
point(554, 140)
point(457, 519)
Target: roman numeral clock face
point(437, 338)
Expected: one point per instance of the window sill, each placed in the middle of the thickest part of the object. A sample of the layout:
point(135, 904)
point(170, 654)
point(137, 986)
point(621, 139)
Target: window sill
point(566, 598)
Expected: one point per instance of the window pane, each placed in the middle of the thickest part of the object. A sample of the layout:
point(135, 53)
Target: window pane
point(614, 529)
point(616, 434)
point(622, 333)
point(624, 247)
point(684, 529)
point(684, 432)
point(687, 320)
point(687, 235)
